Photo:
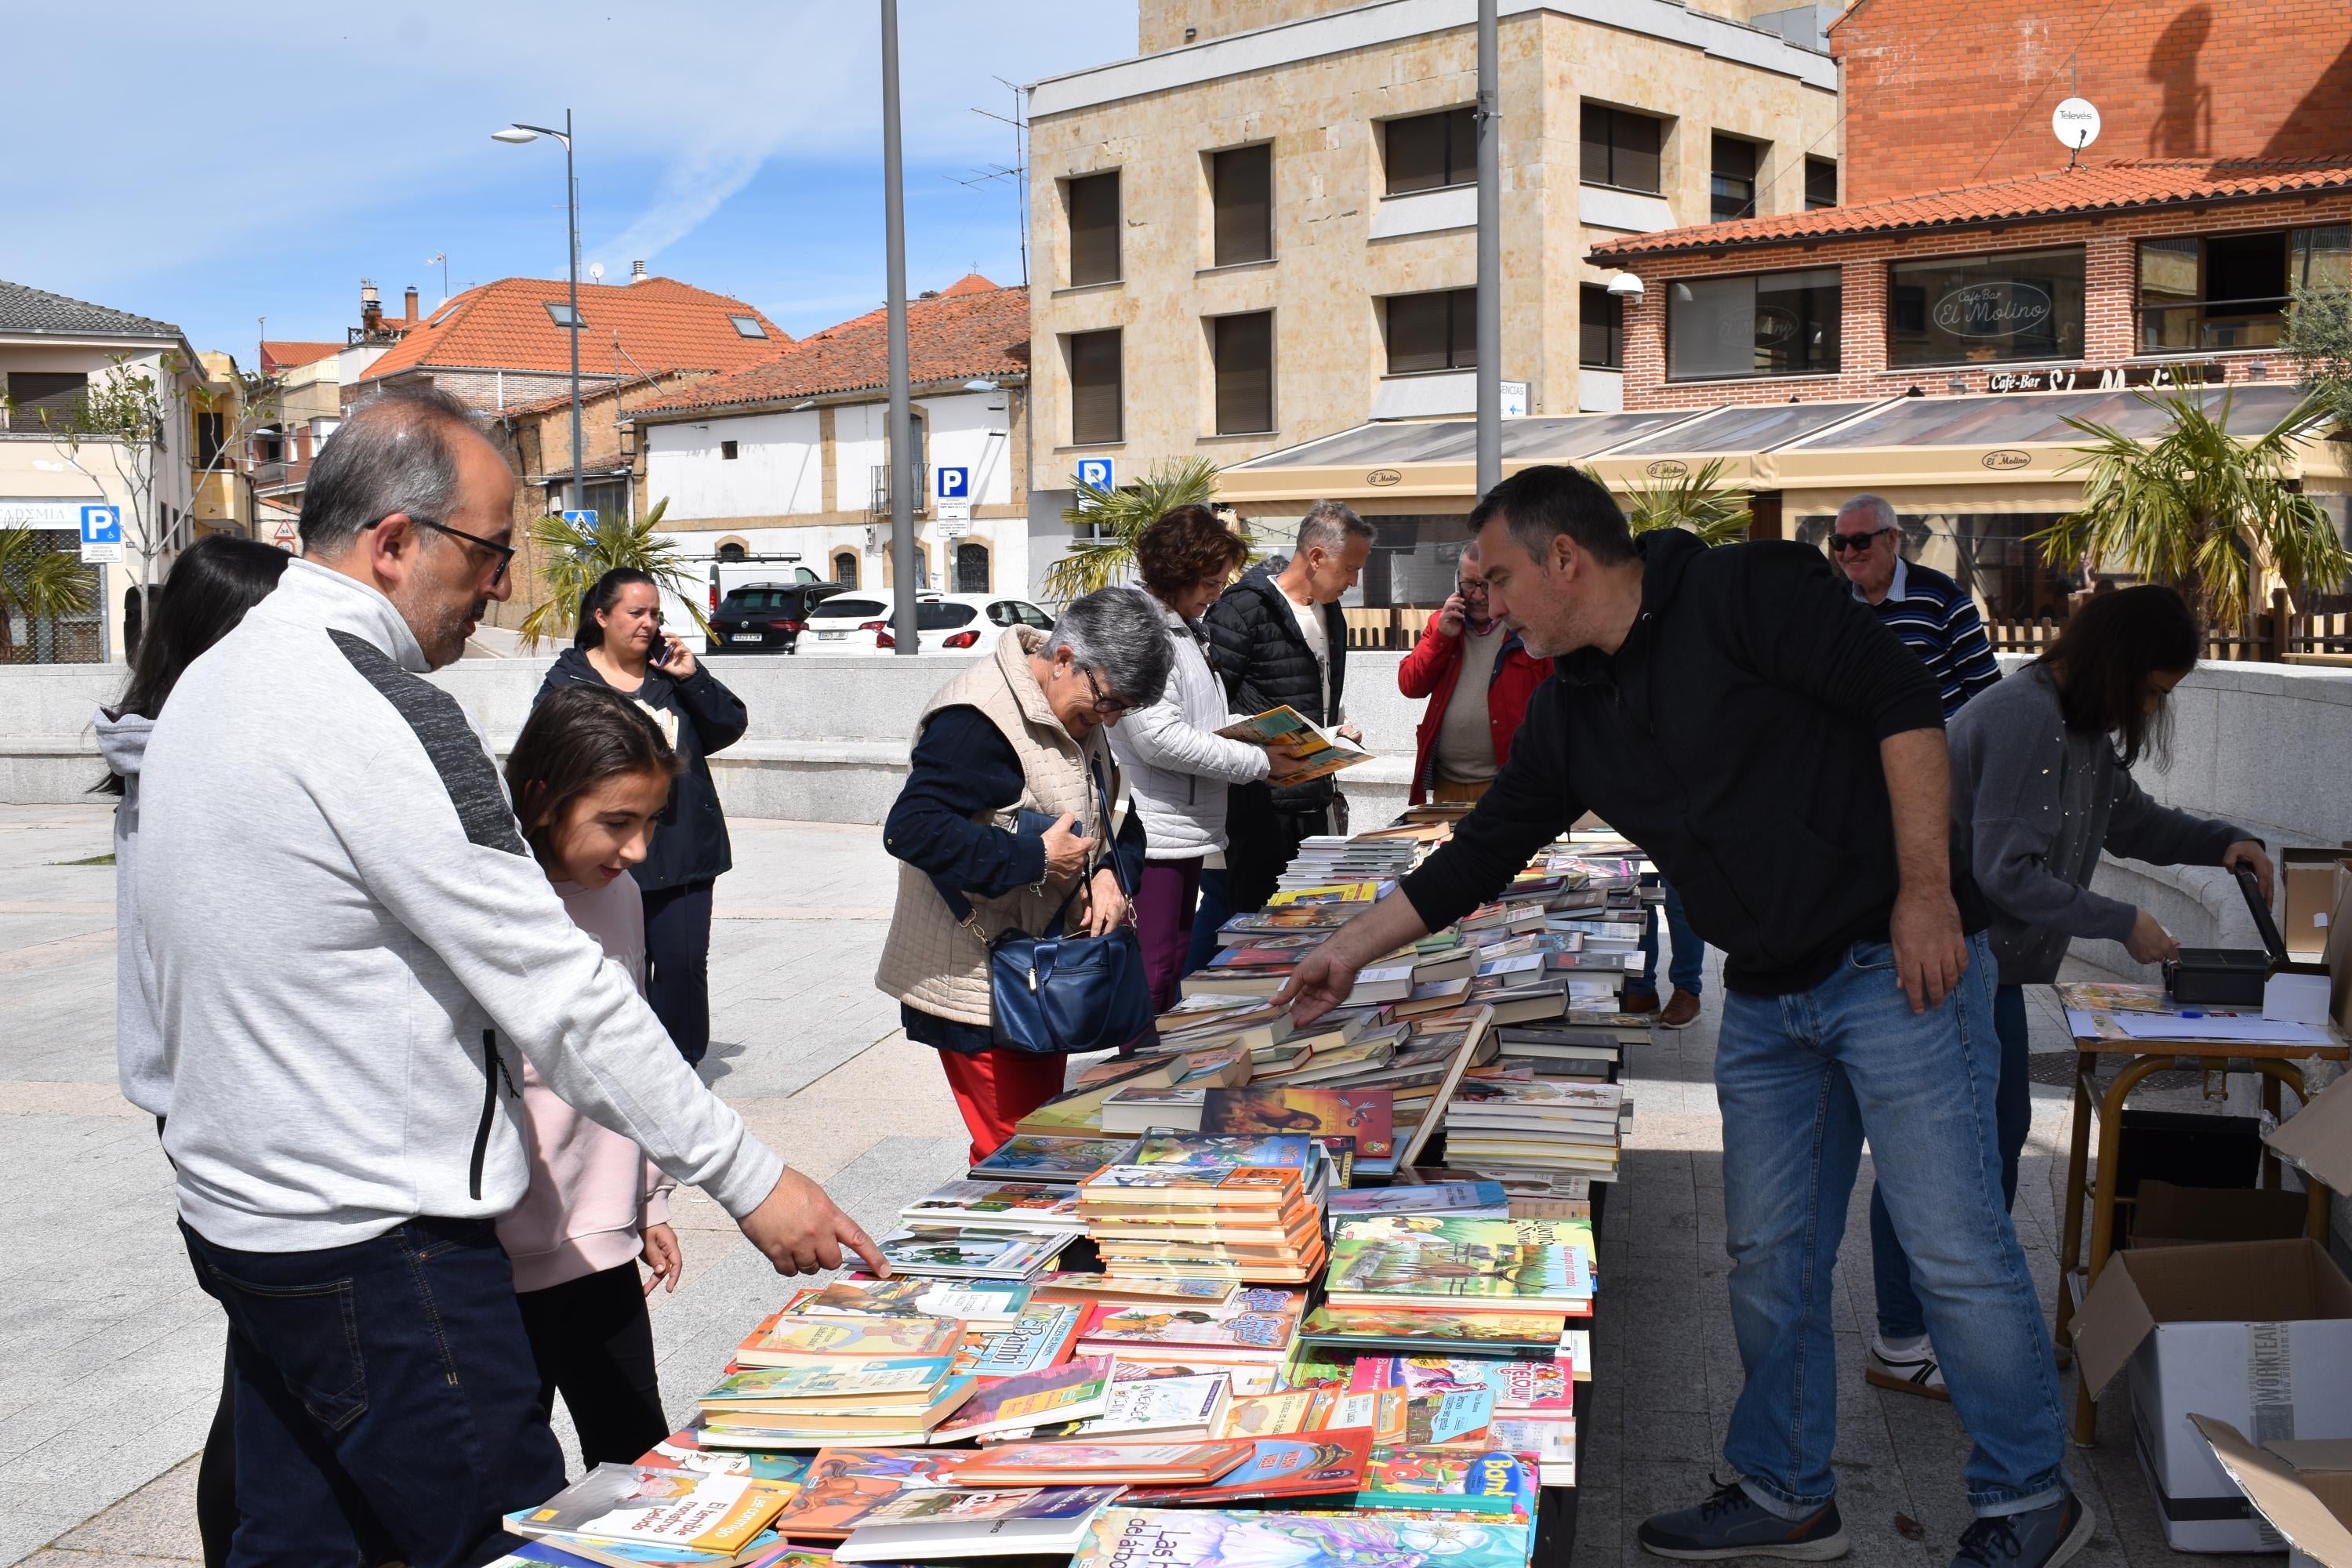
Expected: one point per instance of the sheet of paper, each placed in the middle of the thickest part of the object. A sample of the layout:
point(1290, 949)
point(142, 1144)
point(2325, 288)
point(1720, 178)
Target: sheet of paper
point(2254, 1030)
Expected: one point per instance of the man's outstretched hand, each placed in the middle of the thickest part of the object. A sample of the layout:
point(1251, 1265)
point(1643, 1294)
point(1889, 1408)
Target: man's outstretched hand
point(1321, 983)
point(802, 1231)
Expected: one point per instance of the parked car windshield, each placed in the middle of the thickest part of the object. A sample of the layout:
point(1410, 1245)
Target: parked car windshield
point(858, 607)
point(943, 617)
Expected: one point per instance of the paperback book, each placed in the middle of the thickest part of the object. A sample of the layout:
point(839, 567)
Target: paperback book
point(657, 1506)
point(1031, 1520)
point(1130, 1537)
point(1319, 1465)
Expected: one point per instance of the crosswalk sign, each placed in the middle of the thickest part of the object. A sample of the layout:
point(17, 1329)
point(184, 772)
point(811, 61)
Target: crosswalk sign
point(585, 522)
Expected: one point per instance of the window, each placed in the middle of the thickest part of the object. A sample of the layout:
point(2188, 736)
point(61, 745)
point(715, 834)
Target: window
point(212, 430)
point(1821, 184)
point(1432, 331)
point(1093, 228)
point(1094, 387)
point(845, 568)
point(1621, 148)
point(1772, 323)
point(1243, 348)
point(2231, 291)
point(1978, 309)
point(938, 617)
point(44, 397)
point(747, 326)
point(1600, 338)
point(728, 451)
point(730, 551)
point(1430, 151)
point(854, 609)
point(971, 573)
point(1242, 187)
point(1731, 190)
point(563, 315)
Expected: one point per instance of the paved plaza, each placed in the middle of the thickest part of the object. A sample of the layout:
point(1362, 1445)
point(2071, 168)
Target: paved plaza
point(115, 1356)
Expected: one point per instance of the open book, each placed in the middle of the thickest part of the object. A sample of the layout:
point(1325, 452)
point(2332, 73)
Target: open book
point(1287, 727)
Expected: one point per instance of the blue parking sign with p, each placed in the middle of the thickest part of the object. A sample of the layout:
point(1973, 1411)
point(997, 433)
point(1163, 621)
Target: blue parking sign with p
point(954, 484)
point(1095, 472)
point(101, 525)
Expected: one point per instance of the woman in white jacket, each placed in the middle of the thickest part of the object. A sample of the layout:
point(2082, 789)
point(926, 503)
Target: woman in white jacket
point(1177, 765)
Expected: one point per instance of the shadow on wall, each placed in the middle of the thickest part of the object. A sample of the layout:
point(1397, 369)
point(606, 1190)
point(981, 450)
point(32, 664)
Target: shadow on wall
point(2329, 96)
point(2184, 115)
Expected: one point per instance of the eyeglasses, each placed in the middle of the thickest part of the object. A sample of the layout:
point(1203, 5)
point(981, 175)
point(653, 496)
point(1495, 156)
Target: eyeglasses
point(1470, 588)
point(1105, 707)
point(1841, 543)
point(505, 553)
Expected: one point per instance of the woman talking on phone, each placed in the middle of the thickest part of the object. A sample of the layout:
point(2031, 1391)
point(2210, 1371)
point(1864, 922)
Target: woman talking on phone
point(620, 645)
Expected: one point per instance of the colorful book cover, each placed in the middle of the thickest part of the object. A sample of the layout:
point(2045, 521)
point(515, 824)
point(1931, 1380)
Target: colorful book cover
point(1074, 1391)
point(1044, 1158)
point(1315, 1465)
point(684, 1450)
point(789, 1339)
point(913, 1378)
point(1441, 1415)
point(1021, 1463)
point(1552, 1439)
point(971, 1300)
point(1449, 1478)
point(1140, 1403)
point(1432, 1267)
point(1519, 1386)
point(1381, 1412)
point(1276, 1414)
point(1437, 1198)
point(1207, 1152)
point(958, 1249)
point(1133, 1287)
point(1254, 1319)
point(1039, 1338)
point(767, 1549)
point(1128, 1537)
point(658, 1507)
point(982, 1506)
point(841, 1484)
point(1367, 1115)
point(1017, 1203)
point(1374, 1328)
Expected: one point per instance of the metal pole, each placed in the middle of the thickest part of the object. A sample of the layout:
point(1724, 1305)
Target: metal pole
point(572, 213)
point(1490, 258)
point(903, 470)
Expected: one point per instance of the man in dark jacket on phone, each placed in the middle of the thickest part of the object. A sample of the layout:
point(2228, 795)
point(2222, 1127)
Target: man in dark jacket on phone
point(1738, 714)
point(1278, 637)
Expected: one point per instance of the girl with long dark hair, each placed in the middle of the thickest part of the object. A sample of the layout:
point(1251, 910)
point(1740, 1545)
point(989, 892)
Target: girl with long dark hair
point(621, 646)
point(2042, 785)
point(211, 585)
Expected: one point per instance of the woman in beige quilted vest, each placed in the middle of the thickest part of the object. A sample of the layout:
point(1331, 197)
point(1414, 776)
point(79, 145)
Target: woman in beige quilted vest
point(1012, 744)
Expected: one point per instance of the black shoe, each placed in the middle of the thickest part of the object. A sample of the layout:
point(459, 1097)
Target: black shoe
point(1730, 1524)
point(2040, 1538)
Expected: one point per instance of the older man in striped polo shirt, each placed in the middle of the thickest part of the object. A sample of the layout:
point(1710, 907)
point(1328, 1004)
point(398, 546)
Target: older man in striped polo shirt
point(1933, 616)
point(1938, 622)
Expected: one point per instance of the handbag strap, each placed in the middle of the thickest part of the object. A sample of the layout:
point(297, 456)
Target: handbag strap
point(966, 916)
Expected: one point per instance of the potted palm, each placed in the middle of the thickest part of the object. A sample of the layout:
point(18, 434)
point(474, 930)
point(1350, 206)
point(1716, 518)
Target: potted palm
point(571, 558)
point(1118, 518)
point(1696, 499)
point(37, 583)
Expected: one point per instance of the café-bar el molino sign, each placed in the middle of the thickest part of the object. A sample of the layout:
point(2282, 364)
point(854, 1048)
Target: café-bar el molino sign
point(2108, 378)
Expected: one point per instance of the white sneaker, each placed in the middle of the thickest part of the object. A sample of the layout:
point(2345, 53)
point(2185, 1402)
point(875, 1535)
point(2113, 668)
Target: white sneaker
point(1914, 1372)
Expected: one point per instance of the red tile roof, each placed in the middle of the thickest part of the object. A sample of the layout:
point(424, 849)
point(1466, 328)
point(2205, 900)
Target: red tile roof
point(662, 325)
point(2110, 187)
point(972, 328)
point(290, 354)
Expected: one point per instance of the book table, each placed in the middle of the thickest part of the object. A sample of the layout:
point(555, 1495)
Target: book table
point(2092, 1013)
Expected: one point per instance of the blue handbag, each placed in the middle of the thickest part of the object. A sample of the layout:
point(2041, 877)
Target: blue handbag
point(1057, 995)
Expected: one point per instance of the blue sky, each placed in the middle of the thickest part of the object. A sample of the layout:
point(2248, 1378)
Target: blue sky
point(212, 168)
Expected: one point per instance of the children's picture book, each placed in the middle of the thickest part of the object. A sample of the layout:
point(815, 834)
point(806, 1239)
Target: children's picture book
point(1128, 1537)
point(1092, 1287)
point(956, 1251)
point(1326, 1465)
point(1489, 1333)
point(1367, 1115)
point(1442, 1415)
point(1103, 1462)
point(997, 1206)
point(1325, 752)
point(684, 1450)
point(1258, 1322)
point(979, 1303)
point(657, 1506)
point(1272, 1415)
point(908, 1381)
point(1078, 1390)
point(1520, 1386)
point(1452, 1480)
point(1497, 1275)
point(787, 1338)
point(841, 1484)
point(1205, 1152)
point(1040, 1338)
point(768, 1550)
point(1479, 1197)
point(1264, 1187)
point(1055, 1161)
point(1170, 1409)
point(1029, 1521)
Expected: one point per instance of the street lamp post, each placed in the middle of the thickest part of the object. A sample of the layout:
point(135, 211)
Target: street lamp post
point(517, 133)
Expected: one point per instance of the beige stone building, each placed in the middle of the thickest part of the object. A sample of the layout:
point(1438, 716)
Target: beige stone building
point(1261, 229)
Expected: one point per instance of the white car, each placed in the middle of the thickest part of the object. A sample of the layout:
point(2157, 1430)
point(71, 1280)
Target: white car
point(945, 623)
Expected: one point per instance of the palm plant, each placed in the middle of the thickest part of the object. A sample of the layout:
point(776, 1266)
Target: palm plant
point(1698, 501)
point(39, 582)
point(1119, 518)
point(2199, 509)
point(570, 559)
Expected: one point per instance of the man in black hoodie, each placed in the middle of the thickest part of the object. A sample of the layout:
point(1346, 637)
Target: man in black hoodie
point(1277, 636)
point(1736, 714)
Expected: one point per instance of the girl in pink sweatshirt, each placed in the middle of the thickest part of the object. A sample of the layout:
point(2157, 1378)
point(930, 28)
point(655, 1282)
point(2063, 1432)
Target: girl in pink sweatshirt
point(589, 775)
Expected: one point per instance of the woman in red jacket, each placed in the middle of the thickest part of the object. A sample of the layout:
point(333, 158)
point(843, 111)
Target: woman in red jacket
point(1463, 744)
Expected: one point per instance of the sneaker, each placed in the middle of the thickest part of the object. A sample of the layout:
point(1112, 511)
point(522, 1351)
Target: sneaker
point(1915, 1373)
point(1639, 1002)
point(1681, 1011)
point(1729, 1524)
point(2041, 1538)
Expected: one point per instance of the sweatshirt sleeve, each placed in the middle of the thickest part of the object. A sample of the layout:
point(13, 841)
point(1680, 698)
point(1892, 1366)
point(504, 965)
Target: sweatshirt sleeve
point(433, 841)
point(719, 717)
point(1418, 671)
point(1804, 630)
point(2015, 801)
point(1161, 737)
point(1528, 806)
point(2140, 830)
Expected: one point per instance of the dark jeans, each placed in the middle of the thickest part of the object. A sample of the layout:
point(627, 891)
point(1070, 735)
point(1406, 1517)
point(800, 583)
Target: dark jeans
point(1163, 924)
point(388, 1382)
point(1263, 842)
point(1686, 970)
point(216, 1473)
point(1899, 1313)
point(678, 966)
point(1214, 908)
point(593, 1343)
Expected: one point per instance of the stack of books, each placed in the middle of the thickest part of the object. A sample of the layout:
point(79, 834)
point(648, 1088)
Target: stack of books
point(1247, 1223)
point(971, 1252)
point(641, 1513)
point(881, 1403)
point(997, 1206)
point(1466, 1266)
point(1245, 1337)
point(1536, 1125)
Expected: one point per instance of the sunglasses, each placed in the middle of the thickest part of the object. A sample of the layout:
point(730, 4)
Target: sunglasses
point(505, 553)
point(1841, 543)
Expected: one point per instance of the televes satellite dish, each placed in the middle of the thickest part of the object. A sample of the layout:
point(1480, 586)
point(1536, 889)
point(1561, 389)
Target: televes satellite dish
point(2076, 123)
point(596, 269)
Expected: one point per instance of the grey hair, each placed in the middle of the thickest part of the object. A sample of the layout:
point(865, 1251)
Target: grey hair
point(391, 454)
point(1120, 634)
point(1328, 524)
point(1881, 510)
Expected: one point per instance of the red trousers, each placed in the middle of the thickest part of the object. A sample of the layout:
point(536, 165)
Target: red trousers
point(996, 1088)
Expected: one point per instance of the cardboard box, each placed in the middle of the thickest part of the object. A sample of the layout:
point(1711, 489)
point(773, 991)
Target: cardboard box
point(2304, 1490)
point(2339, 949)
point(2167, 1215)
point(2308, 879)
point(2255, 1333)
point(2317, 1140)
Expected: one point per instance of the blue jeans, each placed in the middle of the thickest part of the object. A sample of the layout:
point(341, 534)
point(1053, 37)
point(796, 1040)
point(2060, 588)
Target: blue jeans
point(1899, 1314)
point(1801, 1079)
point(1215, 908)
point(384, 1389)
point(1686, 970)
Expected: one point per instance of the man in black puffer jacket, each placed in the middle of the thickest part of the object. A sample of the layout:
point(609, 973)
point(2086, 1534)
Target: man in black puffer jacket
point(1277, 636)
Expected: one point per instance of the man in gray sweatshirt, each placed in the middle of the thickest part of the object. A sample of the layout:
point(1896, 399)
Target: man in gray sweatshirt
point(353, 952)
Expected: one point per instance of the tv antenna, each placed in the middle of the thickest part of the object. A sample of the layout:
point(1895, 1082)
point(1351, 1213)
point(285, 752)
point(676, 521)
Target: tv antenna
point(2076, 123)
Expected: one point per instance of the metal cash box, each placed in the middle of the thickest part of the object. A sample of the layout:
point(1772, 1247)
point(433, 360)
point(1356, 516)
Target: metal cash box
point(2230, 976)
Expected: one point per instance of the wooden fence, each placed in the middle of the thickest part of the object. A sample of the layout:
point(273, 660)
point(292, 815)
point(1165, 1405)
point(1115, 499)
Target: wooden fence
point(2275, 636)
